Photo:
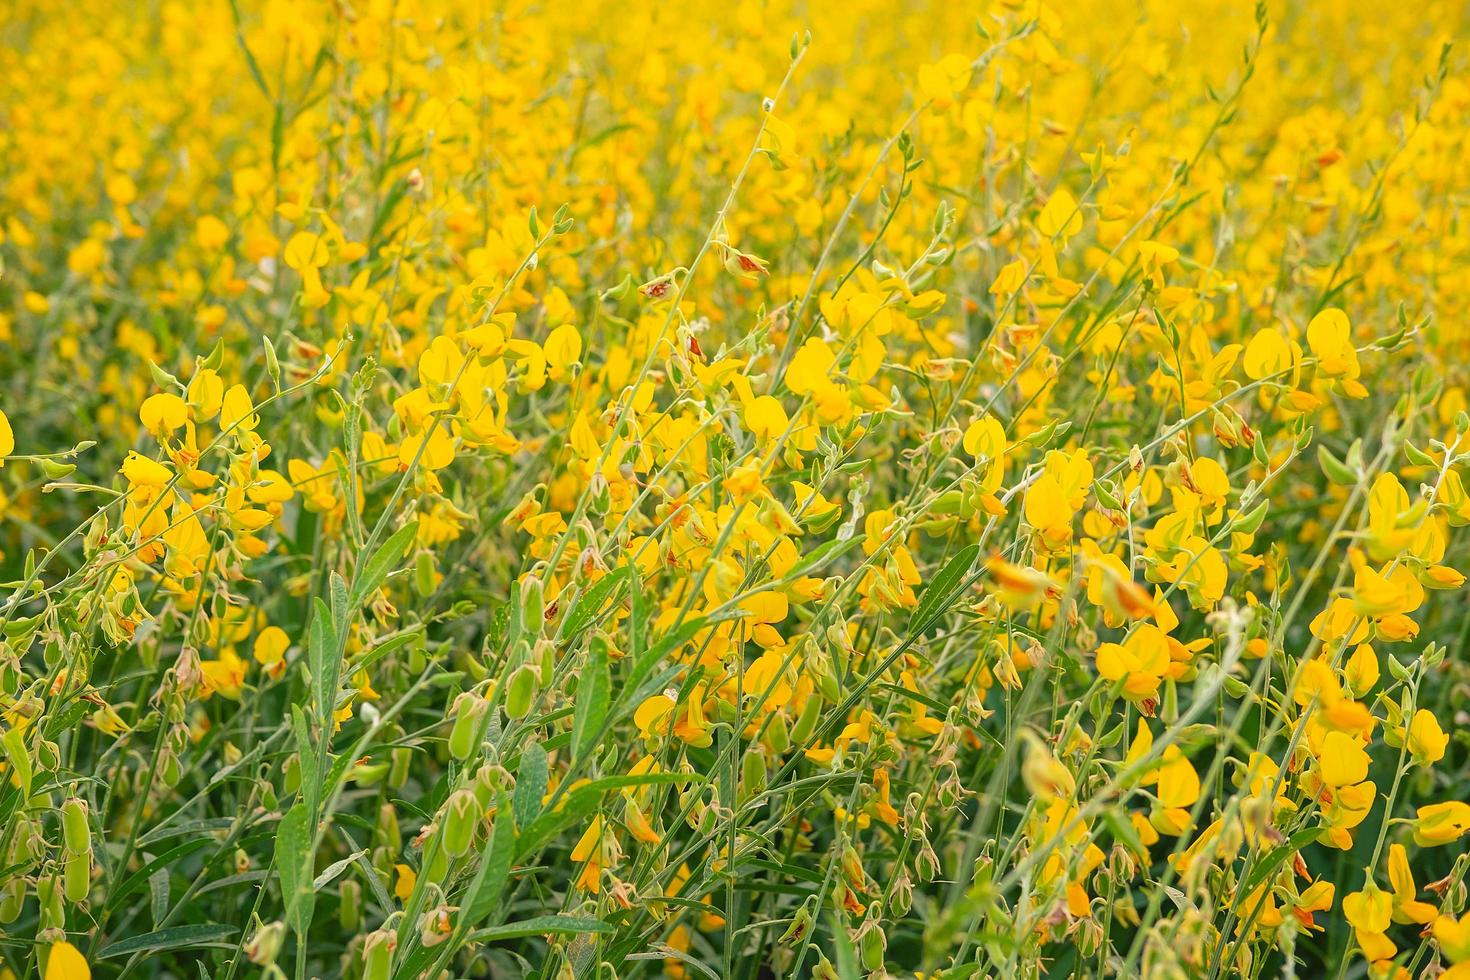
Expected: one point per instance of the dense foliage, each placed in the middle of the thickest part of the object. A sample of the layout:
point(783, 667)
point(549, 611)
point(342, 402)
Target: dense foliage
point(598, 490)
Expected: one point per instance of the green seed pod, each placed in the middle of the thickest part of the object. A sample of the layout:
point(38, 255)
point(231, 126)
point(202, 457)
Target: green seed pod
point(806, 722)
point(75, 835)
point(77, 876)
point(437, 868)
point(12, 899)
point(546, 659)
point(377, 954)
point(752, 775)
point(778, 735)
point(520, 692)
point(53, 906)
point(461, 818)
point(872, 945)
point(48, 756)
point(467, 711)
point(387, 832)
point(349, 908)
point(400, 760)
point(291, 775)
point(533, 604)
point(423, 574)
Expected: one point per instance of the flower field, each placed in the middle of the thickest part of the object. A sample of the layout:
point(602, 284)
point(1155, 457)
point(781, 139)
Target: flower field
point(778, 490)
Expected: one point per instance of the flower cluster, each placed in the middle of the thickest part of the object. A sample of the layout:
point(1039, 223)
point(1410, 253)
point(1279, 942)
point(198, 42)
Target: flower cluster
point(591, 490)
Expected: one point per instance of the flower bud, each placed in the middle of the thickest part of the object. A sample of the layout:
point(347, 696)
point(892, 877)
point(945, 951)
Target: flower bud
point(435, 927)
point(377, 954)
point(265, 945)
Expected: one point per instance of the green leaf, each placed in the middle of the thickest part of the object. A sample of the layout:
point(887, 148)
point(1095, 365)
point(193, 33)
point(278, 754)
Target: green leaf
point(591, 702)
point(495, 860)
point(381, 564)
point(174, 937)
point(1277, 857)
point(293, 864)
point(531, 780)
point(943, 590)
point(588, 605)
point(543, 925)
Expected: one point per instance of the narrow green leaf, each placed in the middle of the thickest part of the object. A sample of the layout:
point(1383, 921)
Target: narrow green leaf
point(591, 702)
point(174, 937)
point(293, 864)
point(384, 561)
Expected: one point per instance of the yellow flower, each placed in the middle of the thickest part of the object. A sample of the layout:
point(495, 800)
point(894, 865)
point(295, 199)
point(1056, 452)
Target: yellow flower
point(65, 962)
point(1440, 823)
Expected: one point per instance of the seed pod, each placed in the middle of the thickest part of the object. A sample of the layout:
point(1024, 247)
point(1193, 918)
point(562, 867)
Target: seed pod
point(437, 868)
point(76, 878)
point(377, 954)
point(461, 818)
point(806, 722)
point(752, 775)
point(75, 836)
point(349, 907)
point(12, 899)
point(467, 711)
point(520, 692)
point(778, 735)
point(533, 604)
point(399, 763)
point(387, 833)
point(53, 907)
point(872, 945)
point(291, 775)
